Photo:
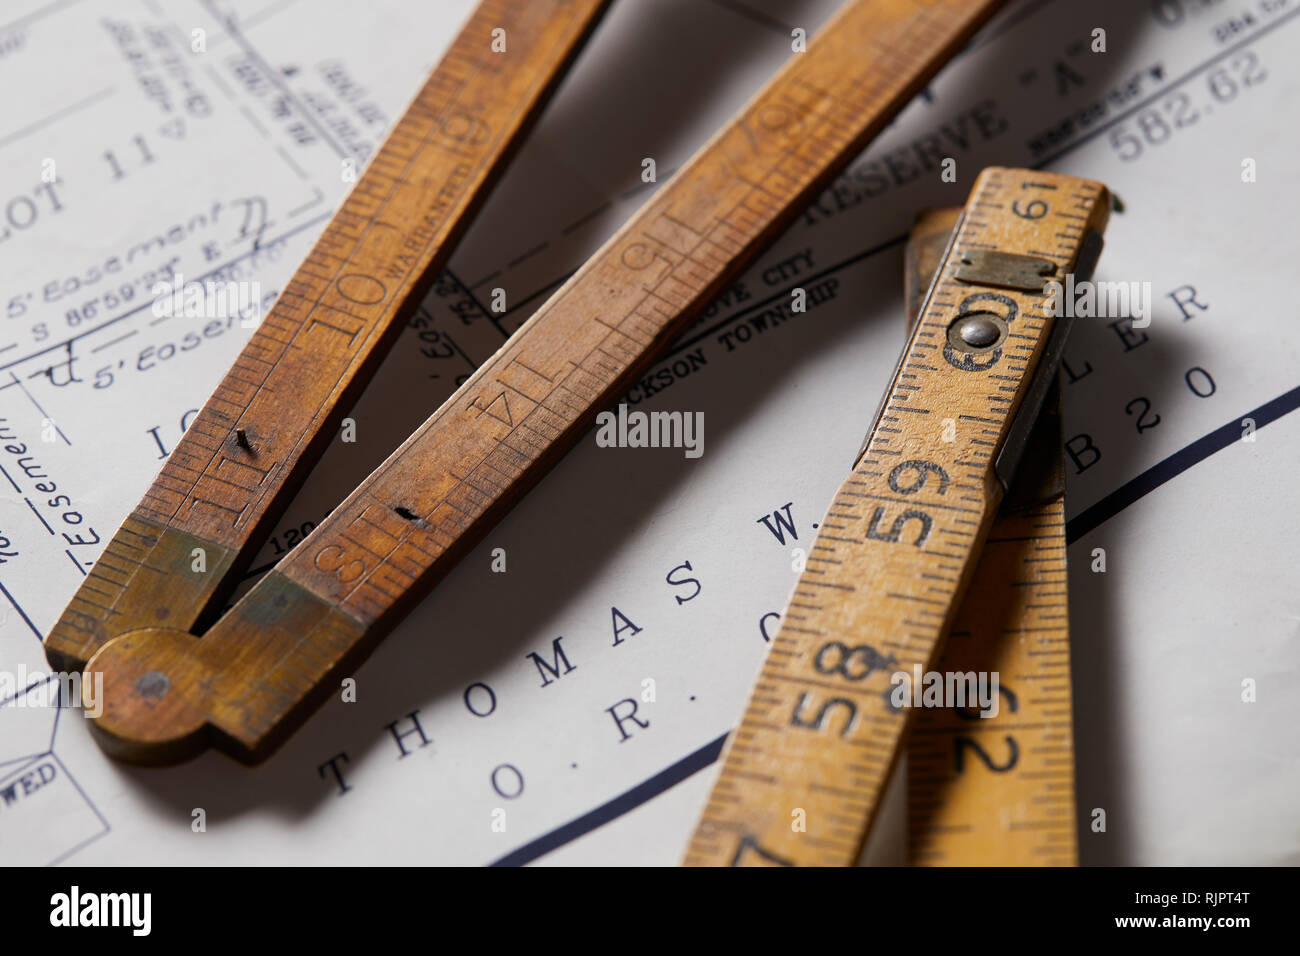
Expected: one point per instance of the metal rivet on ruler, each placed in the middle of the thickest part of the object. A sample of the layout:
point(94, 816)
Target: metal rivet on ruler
point(976, 331)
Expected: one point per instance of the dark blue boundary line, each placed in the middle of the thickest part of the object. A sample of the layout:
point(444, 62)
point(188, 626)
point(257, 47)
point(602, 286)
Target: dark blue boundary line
point(625, 802)
point(1176, 464)
point(1105, 509)
point(1080, 525)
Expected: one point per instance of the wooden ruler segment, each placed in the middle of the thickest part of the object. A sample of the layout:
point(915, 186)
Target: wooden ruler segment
point(803, 773)
point(264, 666)
point(248, 450)
point(999, 791)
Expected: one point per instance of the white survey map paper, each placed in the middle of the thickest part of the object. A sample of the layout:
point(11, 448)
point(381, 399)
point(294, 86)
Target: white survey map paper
point(571, 709)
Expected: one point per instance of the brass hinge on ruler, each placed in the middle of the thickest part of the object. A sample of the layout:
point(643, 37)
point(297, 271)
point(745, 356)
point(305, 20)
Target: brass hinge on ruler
point(261, 668)
point(802, 775)
point(999, 790)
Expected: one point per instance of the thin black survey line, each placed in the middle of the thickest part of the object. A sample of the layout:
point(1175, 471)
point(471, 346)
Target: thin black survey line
point(989, 34)
point(477, 304)
point(1172, 85)
point(1077, 527)
point(1083, 523)
point(754, 16)
point(1080, 525)
point(111, 342)
point(64, 343)
point(108, 827)
point(268, 11)
point(44, 414)
point(685, 343)
point(57, 115)
point(232, 27)
point(44, 11)
point(896, 240)
point(1087, 520)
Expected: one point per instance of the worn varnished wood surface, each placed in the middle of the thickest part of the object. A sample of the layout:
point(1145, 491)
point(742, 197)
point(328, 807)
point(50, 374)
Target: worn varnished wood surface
point(219, 494)
point(802, 775)
point(999, 791)
point(263, 667)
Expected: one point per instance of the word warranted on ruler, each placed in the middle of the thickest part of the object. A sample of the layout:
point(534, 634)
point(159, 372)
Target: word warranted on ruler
point(802, 775)
point(182, 550)
point(265, 665)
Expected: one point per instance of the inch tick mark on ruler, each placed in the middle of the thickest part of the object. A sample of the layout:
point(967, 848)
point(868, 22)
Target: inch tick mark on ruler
point(262, 668)
point(792, 795)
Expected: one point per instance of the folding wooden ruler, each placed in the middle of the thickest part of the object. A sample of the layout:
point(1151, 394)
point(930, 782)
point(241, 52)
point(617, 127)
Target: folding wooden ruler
point(803, 774)
point(1000, 791)
point(260, 669)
